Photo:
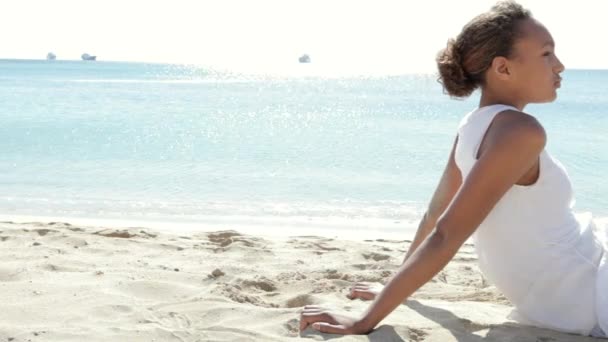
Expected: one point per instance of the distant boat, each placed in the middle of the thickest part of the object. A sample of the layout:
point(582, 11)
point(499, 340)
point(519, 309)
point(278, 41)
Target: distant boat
point(51, 56)
point(304, 58)
point(87, 57)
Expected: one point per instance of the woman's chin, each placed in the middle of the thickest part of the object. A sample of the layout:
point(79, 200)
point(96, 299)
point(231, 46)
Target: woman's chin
point(546, 99)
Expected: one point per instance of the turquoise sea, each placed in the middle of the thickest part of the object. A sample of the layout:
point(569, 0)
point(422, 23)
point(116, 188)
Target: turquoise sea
point(174, 142)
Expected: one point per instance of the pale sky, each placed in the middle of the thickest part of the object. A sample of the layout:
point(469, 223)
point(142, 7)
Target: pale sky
point(394, 36)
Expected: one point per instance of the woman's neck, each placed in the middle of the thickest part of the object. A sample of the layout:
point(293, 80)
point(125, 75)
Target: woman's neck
point(489, 98)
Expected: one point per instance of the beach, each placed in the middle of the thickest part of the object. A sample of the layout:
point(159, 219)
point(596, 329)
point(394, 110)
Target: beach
point(161, 202)
point(72, 282)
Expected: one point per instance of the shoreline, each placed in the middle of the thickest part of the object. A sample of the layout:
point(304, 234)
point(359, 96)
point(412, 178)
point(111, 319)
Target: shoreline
point(337, 227)
point(351, 229)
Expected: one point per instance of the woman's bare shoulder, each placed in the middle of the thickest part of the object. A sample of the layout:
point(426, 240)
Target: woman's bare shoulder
point(524, 122)
point(515, 127)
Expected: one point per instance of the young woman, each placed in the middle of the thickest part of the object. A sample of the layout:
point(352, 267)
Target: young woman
point(502, 186)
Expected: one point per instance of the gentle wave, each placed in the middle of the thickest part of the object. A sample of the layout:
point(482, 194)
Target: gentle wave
point(345, 209)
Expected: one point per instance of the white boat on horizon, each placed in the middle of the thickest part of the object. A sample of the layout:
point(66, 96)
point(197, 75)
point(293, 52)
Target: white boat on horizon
point(51, 56)
point(304, 59)
point(87, 57)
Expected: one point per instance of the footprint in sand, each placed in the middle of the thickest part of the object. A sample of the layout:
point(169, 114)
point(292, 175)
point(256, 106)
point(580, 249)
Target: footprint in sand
point(226, 239)
point(376, 256)
point(216, 273)
point(125, 233)
point(329, 285)
point(318, 247)
point(333, 274)
point(236, 293)
point(299, 301)
point(250, 291)
point(43, 232)
point(261, 283)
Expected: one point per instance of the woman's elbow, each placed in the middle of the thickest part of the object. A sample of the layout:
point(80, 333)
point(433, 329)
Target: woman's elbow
point(446, 234)
point(437, 237)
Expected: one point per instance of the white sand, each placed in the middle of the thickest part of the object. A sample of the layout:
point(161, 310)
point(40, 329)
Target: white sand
point(61, 282)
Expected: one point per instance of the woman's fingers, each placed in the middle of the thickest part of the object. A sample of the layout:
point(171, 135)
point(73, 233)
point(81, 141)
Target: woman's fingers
point(330, 328)
point(312, 314)
point(362, 291)
point(365, 295)
point(328, 322)
point(359, 287)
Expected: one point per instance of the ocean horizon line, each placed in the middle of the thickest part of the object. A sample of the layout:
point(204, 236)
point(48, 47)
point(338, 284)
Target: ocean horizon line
point(238, 68)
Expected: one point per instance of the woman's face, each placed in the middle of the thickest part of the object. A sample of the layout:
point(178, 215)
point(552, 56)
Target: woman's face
point(535, 67)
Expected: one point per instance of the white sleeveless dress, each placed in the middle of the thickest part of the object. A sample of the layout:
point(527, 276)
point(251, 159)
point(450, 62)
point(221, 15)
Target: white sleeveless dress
point(547, 261)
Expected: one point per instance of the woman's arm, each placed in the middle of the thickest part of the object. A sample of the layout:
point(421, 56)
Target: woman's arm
point(446, 189)
point(514, 149)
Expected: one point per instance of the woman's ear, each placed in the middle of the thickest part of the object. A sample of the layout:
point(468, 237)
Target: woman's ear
point(500, 68)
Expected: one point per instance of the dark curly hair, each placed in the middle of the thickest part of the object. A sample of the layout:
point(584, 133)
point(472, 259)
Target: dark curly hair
point(462, 64)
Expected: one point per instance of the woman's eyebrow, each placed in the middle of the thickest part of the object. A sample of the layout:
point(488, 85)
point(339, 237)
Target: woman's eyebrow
point(549, 42)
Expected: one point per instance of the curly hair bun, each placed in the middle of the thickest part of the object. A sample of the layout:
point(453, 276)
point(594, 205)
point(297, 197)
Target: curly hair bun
point(455, 80)
point(464, 61)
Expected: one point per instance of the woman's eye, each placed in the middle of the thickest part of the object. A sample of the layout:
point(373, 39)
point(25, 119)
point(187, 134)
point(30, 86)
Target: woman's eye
point(548, 53)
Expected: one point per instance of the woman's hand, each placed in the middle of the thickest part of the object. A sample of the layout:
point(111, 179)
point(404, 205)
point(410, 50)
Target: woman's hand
point(365, 291)
point(331, 323)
